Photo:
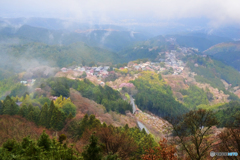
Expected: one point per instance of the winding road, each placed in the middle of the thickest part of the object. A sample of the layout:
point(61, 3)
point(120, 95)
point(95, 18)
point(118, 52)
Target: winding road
point(140, 125)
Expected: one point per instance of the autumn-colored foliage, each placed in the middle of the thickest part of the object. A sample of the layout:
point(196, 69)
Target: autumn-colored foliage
point(113, 140)
point(16, 127)
point(162, 151)
point(230, 140)
point(86, 106)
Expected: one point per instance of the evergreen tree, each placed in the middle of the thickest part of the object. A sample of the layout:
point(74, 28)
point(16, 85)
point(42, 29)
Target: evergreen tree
point(43, 118)
point(1, 107)
point(36, 113)
point(14, 108)
point(30, 116)
point(50, 111)
point(70, 116)
point(44, 141)
point(93, 150)
point(23, 111)
point(57, 120)
point(30, 108)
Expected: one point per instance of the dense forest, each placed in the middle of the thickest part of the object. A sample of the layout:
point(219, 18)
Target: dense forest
point(156, 96)
point(98, 140)
point(195, 96)
point(50, 116)
point(106, 96)
point(226, 113)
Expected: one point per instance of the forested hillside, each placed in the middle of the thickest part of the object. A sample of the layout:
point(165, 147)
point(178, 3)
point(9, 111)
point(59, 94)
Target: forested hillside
point(228, 53)
point(156, 96)
point(106, 96)
point(22, 56)
point(109, 37)
point(145, 49)
point(212, 71)
point(198, 40)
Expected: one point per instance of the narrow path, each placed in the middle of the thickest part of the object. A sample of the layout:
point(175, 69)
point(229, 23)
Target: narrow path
point(140, 125)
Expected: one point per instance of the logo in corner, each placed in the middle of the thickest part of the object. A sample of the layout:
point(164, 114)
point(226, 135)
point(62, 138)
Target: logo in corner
point(212, 153)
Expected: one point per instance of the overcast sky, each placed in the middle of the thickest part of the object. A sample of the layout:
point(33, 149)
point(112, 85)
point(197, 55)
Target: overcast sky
point(218, 12)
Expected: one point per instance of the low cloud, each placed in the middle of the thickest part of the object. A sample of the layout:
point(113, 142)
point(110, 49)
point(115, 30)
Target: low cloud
point(219, 12)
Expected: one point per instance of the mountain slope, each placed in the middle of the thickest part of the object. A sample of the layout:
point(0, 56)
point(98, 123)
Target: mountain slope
point(108, 38)
point(228, 53)
point(198, 40)
point(23, 56)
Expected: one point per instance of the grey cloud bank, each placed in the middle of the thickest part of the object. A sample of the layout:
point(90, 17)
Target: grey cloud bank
point(219, 12)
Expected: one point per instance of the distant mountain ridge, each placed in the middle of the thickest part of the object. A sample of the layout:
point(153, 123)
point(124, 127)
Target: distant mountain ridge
point(228, 52)
point(113, 39)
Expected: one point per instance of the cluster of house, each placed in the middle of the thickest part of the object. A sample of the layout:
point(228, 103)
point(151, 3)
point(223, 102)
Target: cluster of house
point(172, 61)
point(28, 82)
point(100, 71)
point(150, 66)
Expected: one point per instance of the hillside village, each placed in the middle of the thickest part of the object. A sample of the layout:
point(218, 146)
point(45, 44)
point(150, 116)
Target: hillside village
point(169, 62)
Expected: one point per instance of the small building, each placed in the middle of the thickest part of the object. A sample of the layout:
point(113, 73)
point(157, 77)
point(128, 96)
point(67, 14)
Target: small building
point(23, 82)
point(64, 69)
point(102, 83)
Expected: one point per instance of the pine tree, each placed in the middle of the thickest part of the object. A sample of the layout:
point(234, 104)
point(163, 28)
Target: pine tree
point(93, 150)
point(30, 116)
point(23, 111)
point(30, 108)
point(14, 108)
point(70, 116)
point(50, 112)
point(44, 141)
point(1, 107)
point(43, 118)
point(57, 120)
point(36, 113)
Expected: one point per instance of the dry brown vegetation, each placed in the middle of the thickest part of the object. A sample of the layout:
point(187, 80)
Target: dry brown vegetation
point(86, 106)
point(114, 142)
point(69, 74)
point(183, 80)
point(115, 84)
point(176, 82)
point(17, 127)
point(159, 127)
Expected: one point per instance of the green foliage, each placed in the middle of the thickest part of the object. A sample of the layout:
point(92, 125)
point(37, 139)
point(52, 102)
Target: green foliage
point(61, 55)
point(1, 107)
point(107, 96)
point(194, 96)
point(76, 128)
point(140, 50)
point(59, 89)
point(154, 95)
point(68, 108)
point(225, 113)
point(42, 100)
point(44, 141)
point(227, 53)
point(57, 119)
point(62, 137)
point(84, 75)
point(43, 117)
point(49, 117)
point(9, 107)
point(8, 84)
point(199, 40)
point(43, 148)
point(93, 150)
point(212, 71)
point(19, 90)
